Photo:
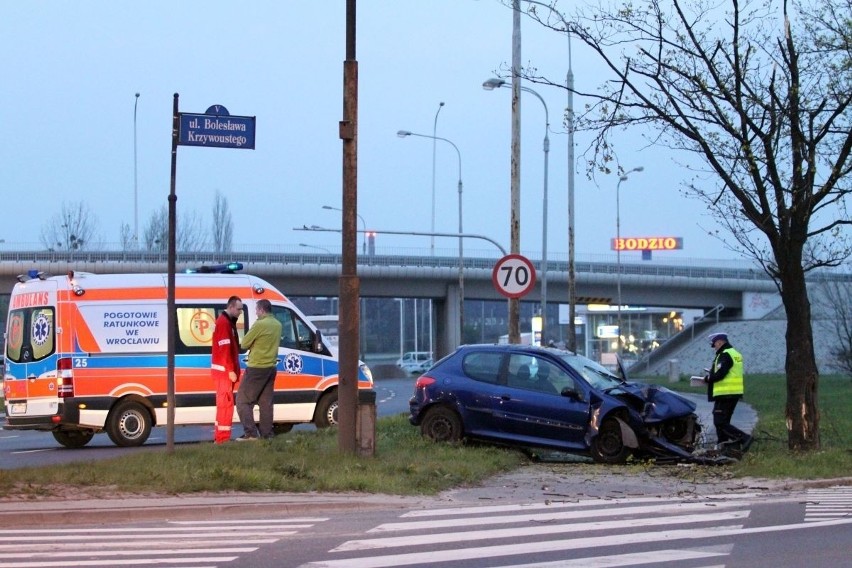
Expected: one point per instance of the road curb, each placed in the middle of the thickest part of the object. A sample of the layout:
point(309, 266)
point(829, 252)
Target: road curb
point(104, 511)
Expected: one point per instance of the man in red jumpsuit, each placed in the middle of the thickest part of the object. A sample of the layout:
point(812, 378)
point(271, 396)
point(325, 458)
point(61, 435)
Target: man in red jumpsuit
point(225, 367)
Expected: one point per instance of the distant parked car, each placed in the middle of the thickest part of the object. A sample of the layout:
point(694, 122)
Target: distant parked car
point(412, 361)
point(424, 366)
point(549, 398)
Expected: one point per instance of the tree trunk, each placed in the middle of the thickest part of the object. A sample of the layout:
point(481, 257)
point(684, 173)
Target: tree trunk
point(802, 374)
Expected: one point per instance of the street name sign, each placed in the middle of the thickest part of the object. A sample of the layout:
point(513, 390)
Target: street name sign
point(217, 129)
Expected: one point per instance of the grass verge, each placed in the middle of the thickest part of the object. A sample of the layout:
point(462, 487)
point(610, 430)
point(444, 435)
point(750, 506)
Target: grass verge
point(769, 456)
point(406, 464)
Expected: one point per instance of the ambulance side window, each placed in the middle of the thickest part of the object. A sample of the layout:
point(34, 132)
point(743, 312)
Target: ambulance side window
point(195, 327)
point(31, 334)
point(295, 334)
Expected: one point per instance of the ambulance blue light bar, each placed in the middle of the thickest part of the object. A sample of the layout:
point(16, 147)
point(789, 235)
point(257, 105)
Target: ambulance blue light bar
point(228, 268)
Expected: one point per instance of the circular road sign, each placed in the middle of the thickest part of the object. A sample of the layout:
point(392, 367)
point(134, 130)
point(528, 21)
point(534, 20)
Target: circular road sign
point(513, 276)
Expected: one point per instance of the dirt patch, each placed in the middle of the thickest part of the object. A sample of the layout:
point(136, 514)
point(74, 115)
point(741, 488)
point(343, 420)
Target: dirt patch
point(575, 481)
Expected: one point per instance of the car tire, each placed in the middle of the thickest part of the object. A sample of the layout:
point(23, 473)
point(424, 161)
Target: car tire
point(442, 424)
point(608, 446)
point(73, 438)
point(129, 424)
point(325, 414)
point(282, 427)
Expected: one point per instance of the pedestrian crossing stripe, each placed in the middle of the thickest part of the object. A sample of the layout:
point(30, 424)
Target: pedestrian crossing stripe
point(551, 516)
point(551, 504)
point(828, 503)
point(517, 532)
point(195, 543)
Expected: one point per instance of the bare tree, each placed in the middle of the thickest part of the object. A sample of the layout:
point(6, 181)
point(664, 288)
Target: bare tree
point(126, 237)
point(223, 226)
point(73, 228)
point(757, 94)
point(190, 232)
point(834, 302)
point(156, 232)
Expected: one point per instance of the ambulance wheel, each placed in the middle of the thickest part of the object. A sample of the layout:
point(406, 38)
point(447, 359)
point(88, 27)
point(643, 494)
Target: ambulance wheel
point(73, 438)
point(129, 424)
point(326, 412)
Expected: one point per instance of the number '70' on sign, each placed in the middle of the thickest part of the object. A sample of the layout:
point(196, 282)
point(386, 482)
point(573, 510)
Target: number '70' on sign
point(513, 276)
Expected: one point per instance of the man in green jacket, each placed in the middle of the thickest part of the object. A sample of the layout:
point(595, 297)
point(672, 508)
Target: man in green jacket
point(258, 384)
point(725, 387)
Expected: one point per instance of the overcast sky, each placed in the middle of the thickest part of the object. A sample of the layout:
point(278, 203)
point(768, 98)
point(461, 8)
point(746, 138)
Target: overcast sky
point(71, 71)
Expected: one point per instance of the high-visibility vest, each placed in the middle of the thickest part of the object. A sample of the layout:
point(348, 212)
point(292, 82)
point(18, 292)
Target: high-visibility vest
point(732, 384)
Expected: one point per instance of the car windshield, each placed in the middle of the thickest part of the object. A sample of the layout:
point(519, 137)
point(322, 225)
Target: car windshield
point(595, 374)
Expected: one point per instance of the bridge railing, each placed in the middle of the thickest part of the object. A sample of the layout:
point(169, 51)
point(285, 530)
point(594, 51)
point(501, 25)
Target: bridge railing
point(692, 268)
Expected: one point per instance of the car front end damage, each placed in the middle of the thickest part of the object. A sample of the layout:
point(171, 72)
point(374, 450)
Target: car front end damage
point(653, 422)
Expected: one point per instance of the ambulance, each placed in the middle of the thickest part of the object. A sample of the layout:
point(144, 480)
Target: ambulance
point(87, 353)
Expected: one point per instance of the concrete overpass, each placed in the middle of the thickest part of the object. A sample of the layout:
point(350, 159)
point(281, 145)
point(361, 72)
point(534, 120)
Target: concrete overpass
point(686, 285)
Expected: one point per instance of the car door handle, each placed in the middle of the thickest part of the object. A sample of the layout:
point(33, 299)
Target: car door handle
point(505, 397)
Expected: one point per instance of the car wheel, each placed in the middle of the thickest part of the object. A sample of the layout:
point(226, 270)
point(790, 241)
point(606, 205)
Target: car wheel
point(608, 446)
point(441, 425)
point(281, 427)
point(129, 424)
point(73, 438)
point(326, 412)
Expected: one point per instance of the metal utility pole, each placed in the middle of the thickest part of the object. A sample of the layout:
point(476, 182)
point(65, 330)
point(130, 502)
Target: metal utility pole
point(515, 217)
point(572, 281)
point(350, 286)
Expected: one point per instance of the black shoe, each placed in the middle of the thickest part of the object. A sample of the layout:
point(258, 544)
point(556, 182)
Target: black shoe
point(246, 438)
point(746, 443)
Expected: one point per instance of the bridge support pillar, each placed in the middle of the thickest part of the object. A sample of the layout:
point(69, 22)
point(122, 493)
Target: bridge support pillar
point(451, 336)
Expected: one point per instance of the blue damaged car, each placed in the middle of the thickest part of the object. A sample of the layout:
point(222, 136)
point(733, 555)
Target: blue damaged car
point(549, 398)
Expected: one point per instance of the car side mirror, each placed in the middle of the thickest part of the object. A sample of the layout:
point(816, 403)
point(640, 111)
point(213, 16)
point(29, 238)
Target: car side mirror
point(317, 346)
point(572, 393)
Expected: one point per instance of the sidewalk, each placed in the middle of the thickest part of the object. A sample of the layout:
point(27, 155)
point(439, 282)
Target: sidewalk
point(745, 417)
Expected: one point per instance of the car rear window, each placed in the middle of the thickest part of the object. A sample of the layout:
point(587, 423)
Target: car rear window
point(483, 367)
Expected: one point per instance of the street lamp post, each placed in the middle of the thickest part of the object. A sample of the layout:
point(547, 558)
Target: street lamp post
point(363, 226)
point(490, 85)
point(434, 153)
point(406, 133)
point(621, 178)
point(135, 181)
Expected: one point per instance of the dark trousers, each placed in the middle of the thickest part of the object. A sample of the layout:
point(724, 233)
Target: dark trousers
point(723, 410)
point(257, 387)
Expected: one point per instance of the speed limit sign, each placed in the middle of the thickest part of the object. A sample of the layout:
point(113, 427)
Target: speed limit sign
point(513, 276)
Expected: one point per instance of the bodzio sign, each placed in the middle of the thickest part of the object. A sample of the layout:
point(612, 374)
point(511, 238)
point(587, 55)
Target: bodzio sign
point(647, 243)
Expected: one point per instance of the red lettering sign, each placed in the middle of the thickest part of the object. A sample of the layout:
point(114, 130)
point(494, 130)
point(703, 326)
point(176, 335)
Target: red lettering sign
point(29, 300)
point(647, 243)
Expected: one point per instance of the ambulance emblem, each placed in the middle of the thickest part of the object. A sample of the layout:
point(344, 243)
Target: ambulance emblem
point(293, 363)
point(41, 329)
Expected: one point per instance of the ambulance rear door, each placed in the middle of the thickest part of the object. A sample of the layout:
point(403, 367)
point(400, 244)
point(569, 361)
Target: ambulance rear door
point(31, 387)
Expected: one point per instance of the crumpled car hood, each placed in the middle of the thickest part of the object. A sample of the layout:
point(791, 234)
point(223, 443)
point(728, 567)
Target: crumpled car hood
point(657, 403)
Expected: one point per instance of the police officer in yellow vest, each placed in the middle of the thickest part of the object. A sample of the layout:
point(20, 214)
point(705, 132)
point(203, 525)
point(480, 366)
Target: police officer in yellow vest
point(725, 389)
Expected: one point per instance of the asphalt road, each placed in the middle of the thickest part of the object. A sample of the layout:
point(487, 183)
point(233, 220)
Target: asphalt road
point(26, 448)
